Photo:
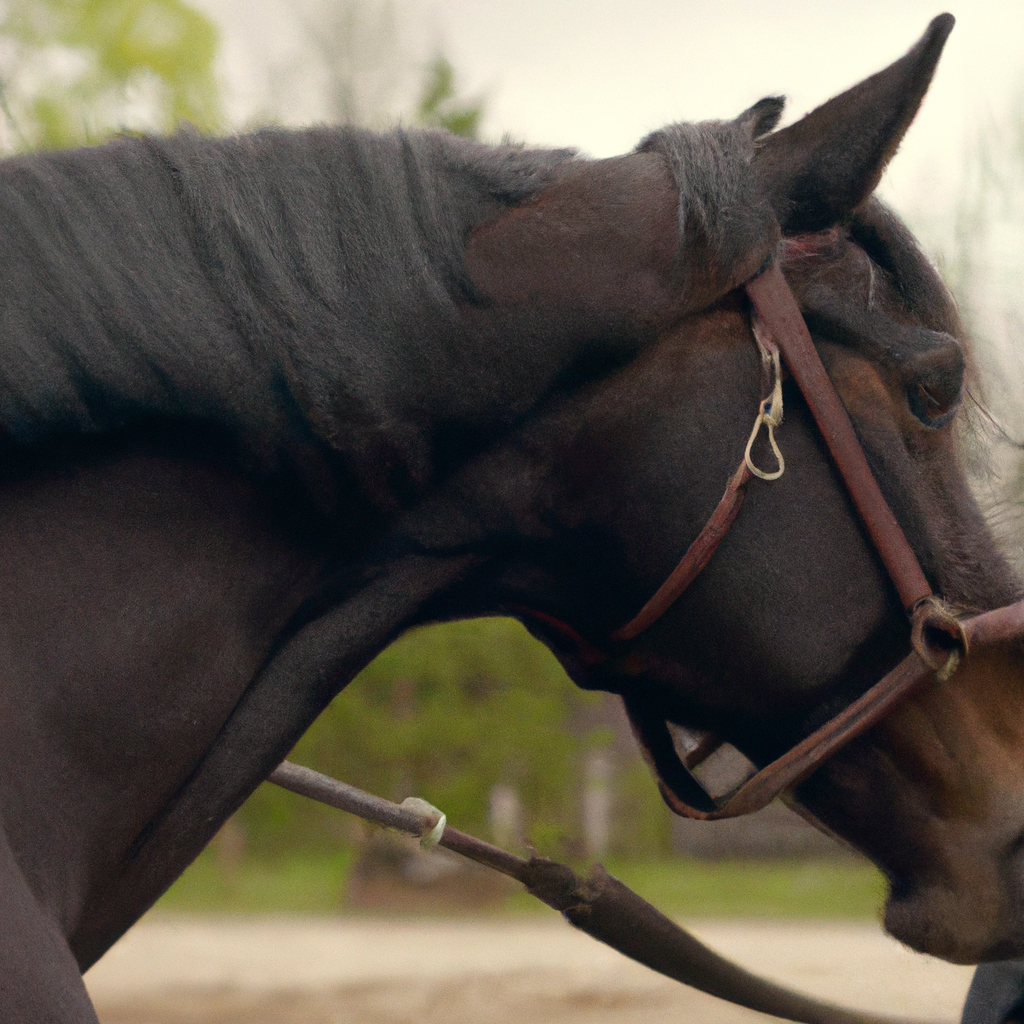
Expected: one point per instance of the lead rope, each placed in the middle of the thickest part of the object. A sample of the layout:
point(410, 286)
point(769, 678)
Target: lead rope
point(599, 905)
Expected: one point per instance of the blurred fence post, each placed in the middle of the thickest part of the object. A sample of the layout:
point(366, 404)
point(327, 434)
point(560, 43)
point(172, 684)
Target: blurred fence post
point(506, 816)
point(597, 803)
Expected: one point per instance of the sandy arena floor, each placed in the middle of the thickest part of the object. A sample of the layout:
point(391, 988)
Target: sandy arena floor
point(174, 970)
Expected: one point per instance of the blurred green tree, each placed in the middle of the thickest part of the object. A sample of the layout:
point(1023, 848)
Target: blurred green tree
point(440, 106)
point(74, 71)
point(360, 63)
point(445, 713)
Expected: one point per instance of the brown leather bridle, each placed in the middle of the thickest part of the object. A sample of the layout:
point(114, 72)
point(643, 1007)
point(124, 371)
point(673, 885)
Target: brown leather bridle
point(939, 639)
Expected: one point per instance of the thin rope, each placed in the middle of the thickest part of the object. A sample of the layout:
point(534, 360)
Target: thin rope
point(769, 414)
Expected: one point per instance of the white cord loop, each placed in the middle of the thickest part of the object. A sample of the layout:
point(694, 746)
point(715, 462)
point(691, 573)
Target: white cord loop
point(431, 838)
point(769, 414)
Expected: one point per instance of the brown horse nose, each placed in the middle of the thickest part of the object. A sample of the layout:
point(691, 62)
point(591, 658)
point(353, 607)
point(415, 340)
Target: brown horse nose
point(932, 364)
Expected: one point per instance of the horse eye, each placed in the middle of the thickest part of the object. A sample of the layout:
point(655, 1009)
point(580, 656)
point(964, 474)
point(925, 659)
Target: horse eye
point(933, 370)
point(934, 407)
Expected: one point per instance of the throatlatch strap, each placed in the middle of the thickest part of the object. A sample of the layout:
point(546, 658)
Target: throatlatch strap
point(697, 556)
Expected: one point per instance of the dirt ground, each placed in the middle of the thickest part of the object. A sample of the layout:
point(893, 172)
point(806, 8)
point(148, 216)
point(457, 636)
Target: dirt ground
point(173, 970)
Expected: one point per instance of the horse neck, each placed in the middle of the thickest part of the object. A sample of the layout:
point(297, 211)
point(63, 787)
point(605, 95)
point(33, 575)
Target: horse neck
point(394, 303)
point(342, 257)
point(418, 296)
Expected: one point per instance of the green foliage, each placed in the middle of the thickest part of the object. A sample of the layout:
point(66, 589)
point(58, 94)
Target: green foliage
point(643, 824)
point(300, 883)
point(315, 883)
point(846, 888)
point(446, 713)
point(439, 106)
point(79, 70)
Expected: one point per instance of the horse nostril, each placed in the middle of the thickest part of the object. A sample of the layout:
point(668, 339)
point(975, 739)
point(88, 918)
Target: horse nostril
point(934, 368)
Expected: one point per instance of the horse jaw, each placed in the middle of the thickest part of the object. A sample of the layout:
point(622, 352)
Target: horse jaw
point(948, 925)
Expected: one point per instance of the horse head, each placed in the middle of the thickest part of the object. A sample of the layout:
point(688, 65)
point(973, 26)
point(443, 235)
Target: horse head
point(588, 505)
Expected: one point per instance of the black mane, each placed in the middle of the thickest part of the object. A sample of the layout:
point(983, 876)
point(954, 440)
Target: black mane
point(271, 283)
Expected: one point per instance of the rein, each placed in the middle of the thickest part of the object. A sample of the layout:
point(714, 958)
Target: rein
point(598, 904)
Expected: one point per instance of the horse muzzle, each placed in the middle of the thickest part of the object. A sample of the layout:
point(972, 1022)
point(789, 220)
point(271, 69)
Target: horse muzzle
point(934, 794)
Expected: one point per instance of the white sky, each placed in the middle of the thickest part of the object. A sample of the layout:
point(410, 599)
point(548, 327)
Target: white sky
point(599, 74)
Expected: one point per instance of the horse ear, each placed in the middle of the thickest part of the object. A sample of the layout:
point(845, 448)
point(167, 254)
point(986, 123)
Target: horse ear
point(823, 166)
point(763, 116)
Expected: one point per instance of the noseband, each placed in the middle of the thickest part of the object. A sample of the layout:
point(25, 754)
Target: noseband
point(939, 639)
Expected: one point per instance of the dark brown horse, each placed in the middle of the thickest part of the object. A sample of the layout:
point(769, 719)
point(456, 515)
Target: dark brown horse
point(267, 402)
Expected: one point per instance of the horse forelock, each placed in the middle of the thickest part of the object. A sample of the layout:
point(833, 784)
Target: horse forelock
point(887, 240)
point(718, 195)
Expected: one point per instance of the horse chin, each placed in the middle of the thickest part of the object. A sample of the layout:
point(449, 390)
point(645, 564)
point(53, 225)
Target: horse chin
point(958, 927)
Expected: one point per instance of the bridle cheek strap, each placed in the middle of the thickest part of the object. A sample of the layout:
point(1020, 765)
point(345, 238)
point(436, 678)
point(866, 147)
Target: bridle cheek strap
point(939, 640)
point(777, 310)
point(699, 553)
point(779, 327)
point(690, 566)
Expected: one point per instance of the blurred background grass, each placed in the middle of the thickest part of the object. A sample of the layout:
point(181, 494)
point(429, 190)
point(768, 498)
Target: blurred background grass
point(680, 887)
